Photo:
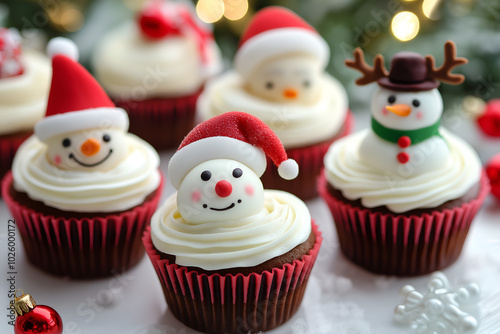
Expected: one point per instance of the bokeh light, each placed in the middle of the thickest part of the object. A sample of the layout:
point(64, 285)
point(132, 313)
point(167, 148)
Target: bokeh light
point(210, 11)
point(405, 26)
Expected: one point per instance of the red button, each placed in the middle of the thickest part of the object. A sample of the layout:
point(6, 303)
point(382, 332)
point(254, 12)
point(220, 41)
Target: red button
point(404, 141)
point(223, 188)
point(403, 157)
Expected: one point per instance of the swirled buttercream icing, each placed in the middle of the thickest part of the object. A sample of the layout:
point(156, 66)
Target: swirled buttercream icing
point(357, 178)
point(121, 188)
point(130, 66)
point(281, 225)
point(296, 125)
point(23, 98)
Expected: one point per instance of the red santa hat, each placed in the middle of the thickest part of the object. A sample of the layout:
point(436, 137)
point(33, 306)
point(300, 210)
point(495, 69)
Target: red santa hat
point(76, 101)
point(233, 135)
point(276, 31)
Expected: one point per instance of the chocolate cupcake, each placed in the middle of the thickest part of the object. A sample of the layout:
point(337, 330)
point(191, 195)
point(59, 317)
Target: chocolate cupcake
point(81, 189)
point(155, 69)
point(404, 193)
point(231, 256)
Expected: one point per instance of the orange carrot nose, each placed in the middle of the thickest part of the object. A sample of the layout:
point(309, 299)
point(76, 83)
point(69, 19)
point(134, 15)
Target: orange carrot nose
point(402, 110)
point(290, 93)
point(90, 147)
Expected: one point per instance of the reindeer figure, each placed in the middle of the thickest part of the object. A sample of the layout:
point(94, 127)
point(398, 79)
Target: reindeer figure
point(405, 136)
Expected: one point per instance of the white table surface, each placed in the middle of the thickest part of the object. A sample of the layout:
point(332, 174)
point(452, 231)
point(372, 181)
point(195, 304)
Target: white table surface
point(340, 297)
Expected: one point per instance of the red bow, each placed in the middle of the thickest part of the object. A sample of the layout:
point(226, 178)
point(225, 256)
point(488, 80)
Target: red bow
point(161, 19)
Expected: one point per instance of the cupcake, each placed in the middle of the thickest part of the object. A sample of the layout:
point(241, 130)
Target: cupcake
point(24, 87)
point(231, 256)
point(155, 69)
point(81, 189)
point(279, 76)
point(404, 192)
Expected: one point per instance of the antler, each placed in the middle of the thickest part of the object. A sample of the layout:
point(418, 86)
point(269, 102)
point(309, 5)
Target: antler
point(450, 62)
point(370, 74)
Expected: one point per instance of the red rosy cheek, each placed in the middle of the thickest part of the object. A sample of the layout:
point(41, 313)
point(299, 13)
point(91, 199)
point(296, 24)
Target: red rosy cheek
point(57, 159)
point(420, 115)
point(249, 190)
point(385, 112)
point(196, 196)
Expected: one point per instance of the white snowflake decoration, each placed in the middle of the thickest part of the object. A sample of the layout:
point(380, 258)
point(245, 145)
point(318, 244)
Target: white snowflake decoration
point(442, 310)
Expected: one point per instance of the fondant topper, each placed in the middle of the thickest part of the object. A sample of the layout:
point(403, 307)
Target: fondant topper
point(406, 109)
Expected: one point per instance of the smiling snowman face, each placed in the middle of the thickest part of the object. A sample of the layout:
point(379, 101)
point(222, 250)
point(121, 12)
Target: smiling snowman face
point(220, 190)
point(293, 78)
point(87, 150)
point(407, 110)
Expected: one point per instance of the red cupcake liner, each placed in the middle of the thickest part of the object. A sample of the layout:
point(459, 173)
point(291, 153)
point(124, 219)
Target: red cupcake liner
point(162, 122)
point(82, 248)
point(310, 161)
point(233, 303)
point(395, 244)
point(8, 148)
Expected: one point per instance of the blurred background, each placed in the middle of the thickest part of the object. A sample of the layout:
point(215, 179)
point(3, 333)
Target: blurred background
point(385, 26)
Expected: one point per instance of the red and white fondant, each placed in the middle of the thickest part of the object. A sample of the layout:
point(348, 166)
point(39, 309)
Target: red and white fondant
point(276, 31)
point(235, 136)
point(76, 100)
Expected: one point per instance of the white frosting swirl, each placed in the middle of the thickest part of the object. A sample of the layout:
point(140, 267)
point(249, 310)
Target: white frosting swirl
point(121, 188)
point(23, 98)
point(131, 66)
point(358, 179)
point(296, 125)
point(283, 223)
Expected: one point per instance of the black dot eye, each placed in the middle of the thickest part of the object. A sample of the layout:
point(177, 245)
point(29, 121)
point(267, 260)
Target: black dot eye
point(205, 206)
point(416, 103)
point(237, 172)
point(307, 83)
point(106, 138)
point(269, 85)
point(391, 99)
point(206, 175)
point(66, 142)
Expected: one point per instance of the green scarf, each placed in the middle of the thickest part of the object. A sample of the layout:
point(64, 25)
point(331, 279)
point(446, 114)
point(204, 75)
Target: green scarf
point(416, 136)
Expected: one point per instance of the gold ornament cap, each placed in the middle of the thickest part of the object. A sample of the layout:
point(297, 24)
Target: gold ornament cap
point(22, 304)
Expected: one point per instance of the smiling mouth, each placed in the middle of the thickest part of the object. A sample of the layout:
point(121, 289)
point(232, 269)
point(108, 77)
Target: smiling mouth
point(224, 209)
point(71, 156)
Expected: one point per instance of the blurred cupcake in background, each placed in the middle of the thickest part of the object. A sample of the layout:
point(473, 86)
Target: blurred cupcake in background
point(155, 69)
point(279, 76)
point(24, 87)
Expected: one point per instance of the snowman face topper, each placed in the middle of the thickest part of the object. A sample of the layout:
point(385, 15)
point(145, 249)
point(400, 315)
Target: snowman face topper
point(293, 78)
point(220, 190)
point(87, 150)
point(407, 110)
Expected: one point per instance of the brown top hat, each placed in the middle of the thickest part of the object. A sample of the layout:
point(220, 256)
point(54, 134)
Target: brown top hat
point(409, 71)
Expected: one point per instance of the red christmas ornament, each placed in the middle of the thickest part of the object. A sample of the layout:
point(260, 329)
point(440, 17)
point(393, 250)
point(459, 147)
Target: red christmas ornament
point(33, 318)
point(489, 121)
point(493, 171)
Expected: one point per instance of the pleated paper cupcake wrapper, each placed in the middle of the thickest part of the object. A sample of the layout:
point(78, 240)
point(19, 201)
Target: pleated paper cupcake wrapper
point(310, 161)
point(395, 244)
point(8, 149)
point(161, 122)
point(82, 248)
point(233, 303)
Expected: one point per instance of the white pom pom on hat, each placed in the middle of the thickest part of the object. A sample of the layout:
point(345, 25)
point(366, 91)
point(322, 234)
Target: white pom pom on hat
point(62, 46)
point(288, 169)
